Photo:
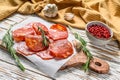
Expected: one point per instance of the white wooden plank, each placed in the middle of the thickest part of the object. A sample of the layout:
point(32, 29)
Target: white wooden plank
point(10, 72)
point(28, 65)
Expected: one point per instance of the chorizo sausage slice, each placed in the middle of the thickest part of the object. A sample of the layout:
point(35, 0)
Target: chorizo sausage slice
point(57, 32)
point(38, 24)
point(61, 49)
point(45, 55)
point(34, 42)
point(22, 49)
point(19, 34)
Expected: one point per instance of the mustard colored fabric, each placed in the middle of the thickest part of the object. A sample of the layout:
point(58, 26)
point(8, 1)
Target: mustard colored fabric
point(107, 11)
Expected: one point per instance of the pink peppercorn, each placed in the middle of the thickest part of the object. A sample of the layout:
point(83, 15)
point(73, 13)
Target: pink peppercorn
point(99, 31)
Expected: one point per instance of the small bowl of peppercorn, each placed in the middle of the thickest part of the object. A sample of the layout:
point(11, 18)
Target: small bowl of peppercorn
point(98, 32)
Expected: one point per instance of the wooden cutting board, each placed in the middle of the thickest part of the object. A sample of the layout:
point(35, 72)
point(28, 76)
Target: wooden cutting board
point(96, 64)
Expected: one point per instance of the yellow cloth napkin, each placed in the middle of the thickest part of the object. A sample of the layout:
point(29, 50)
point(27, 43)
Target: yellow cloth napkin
point(107, 11)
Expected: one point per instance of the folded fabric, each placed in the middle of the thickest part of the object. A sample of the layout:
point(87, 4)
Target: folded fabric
point(107, 11)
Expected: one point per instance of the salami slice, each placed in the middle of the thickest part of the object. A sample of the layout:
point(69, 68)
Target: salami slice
point(44, 55)
point(34, 42)
point(58, 27)
point(57, 35)
point(19, 34)
point(58, 32)
point(38, 24)
point(61, 49)
point(23, 49)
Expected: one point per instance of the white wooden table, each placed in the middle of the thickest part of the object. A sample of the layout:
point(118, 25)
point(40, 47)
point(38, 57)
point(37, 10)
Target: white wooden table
point(9, 70)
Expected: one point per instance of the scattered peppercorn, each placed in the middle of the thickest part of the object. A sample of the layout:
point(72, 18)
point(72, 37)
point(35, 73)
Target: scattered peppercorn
point(99, 31)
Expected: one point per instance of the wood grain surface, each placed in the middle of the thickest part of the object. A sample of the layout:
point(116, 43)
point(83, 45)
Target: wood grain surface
point(9, 70)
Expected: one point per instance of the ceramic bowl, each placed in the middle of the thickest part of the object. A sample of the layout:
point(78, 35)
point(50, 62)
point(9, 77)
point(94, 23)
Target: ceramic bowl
point(93, 39)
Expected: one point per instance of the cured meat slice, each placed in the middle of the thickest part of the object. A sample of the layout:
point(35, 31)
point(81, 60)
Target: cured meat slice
point(34, 42)
point(58, 27)
point(38, 24)
point(61, 49)
point(57, 35)
point(19, 34)
point(23, 49)
point(44, 55)
point(58, 32)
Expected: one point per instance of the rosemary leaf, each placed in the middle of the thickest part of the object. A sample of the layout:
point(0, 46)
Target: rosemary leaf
point(86, 65)
point(85, 50)
point(7, 41)
point(45, 39)
point(17, 59)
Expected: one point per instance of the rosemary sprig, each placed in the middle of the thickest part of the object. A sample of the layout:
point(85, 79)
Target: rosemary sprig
point(85, 50)
point(7, 41)
point(45, 39)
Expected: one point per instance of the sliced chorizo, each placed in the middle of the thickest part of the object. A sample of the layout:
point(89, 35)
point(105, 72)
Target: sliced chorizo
point(45, 55)
point(38, 24)
point(34, 42)
point(57, 32)
point(22, 49)
point(19, 34)
point(61, 49)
